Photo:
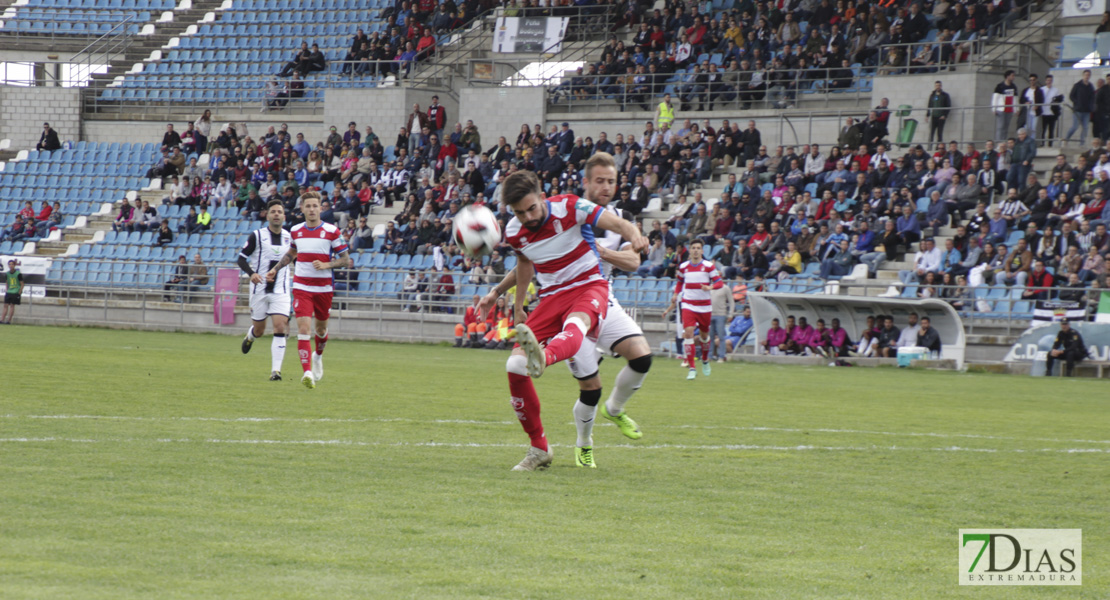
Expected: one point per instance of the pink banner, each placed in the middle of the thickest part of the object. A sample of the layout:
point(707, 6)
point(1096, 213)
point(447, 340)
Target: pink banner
point(227, 289)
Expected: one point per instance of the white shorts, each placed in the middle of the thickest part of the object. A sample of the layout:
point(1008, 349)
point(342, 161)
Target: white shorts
point(263, 305)
point(616, 327)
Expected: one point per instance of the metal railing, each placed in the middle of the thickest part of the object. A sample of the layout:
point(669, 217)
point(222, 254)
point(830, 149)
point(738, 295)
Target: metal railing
point(71, 27)
point(992, 306)
point(101, 51)
point(613, 92)
point(982, 55)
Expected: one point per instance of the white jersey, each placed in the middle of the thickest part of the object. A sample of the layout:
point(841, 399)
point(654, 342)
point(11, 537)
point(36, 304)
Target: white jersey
point(262, 251)
point(610, 240)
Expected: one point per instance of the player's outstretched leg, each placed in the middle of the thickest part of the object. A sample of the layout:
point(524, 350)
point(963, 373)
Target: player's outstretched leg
point(248, 341)
point(691, 358)
point(318, 356)
point(534, 358)
point(304, 352)
point(705, 368)
point(277, 355)
point(630, 378)
point(526, 405)
point(585, 413)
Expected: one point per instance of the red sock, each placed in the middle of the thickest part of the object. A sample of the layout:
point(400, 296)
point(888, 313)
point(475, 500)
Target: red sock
point(704, 351)
point(527, 406)
point(691, 358)
point(304, 351)
point(320, 342)
point(567, 343)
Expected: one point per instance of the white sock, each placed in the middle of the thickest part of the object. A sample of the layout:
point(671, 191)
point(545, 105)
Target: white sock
point(277, 352)
point(250, 333)
point(584, 420)
point(628, 381)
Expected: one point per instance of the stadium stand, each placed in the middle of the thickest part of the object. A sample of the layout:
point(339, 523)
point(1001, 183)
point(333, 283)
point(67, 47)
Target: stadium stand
point(679, 182)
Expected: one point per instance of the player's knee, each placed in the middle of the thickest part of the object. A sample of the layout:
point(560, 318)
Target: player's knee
point(480, 328)
point(459, 330)
point(589, 397)
point(517, 365)
point(641, 364)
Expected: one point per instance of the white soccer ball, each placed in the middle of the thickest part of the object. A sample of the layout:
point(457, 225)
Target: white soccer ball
point(476, 230)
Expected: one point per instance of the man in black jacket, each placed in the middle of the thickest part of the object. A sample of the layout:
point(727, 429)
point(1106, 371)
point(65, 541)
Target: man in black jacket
point(1068, 346)
point(48, 141)
point(1082, 98)
point(940, 104)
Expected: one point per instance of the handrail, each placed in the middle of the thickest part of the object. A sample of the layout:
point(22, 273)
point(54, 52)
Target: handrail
point(121, 40)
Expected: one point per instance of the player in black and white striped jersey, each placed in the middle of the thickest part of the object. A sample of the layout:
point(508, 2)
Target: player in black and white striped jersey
point(262, 250)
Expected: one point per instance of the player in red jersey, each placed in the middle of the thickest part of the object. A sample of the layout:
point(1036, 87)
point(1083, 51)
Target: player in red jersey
point(548, 239)
point(317, 248)
point(697, 278)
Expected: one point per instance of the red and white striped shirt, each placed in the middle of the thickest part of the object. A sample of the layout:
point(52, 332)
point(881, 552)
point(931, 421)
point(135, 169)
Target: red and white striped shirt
point(565, 256)
point(691, 276)
point(315, 243)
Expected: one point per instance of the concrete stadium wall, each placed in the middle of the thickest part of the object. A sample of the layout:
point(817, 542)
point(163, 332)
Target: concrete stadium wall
point(151, 131)
point(965, 89)
point(384, 109)
point(499, 111)
point(822, 128)
point(24, 109)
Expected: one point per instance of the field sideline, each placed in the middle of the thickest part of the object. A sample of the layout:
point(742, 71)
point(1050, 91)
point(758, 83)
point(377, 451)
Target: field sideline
point(162, 465)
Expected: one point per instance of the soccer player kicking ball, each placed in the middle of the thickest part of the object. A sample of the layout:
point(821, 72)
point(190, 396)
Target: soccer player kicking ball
point(617, 331)
point(261, 252)
point(317, 247)
point(574, 295)
point(696, 277)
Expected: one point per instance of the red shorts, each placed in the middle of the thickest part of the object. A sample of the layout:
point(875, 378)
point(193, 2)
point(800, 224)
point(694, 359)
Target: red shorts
point(547, 320)
point(312, 304)
point(696, 319)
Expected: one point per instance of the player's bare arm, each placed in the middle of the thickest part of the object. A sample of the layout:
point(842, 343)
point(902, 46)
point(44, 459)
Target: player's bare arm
point(487, 301)
point(670, 307)
point(285, 261)
point(342, 262)
point(611, 222)
point(625, 260)
point(523, 271)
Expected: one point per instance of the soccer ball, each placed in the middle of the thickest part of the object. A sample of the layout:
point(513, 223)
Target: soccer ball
point(476, 230)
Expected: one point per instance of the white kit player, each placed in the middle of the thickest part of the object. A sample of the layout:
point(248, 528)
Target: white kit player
point(317, 248)
point(617, 332)
point(696, 279)
point(261, 252)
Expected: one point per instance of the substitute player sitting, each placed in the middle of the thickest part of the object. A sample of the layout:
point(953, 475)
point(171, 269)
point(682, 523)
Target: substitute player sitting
point(548, 238)
point(317, 248)
point(262, 252)
point(696, 277)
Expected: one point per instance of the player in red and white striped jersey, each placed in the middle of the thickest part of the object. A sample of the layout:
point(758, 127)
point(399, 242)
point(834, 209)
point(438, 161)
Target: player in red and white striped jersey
point(697, 278)
point(547, 236)
point(316, 249)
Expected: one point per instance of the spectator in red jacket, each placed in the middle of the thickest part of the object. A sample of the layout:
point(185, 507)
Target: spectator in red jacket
point(1039, 285)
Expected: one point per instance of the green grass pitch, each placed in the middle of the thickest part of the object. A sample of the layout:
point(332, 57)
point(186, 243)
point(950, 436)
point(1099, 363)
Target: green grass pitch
point(159, 465)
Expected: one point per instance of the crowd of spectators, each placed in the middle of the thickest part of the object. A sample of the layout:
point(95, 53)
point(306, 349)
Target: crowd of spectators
point(755, 51)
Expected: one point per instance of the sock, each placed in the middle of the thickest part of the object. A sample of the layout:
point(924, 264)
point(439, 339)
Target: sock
point(628, 381)
point(304, 351)
point(320, 342)
point(691, 358)
point(704, 350)
point(567, 343)
point(527, 406)
point(250, 333)
point(277, 351)
point(585, 411)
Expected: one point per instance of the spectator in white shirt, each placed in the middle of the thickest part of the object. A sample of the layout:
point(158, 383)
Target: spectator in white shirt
point(927, 260)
